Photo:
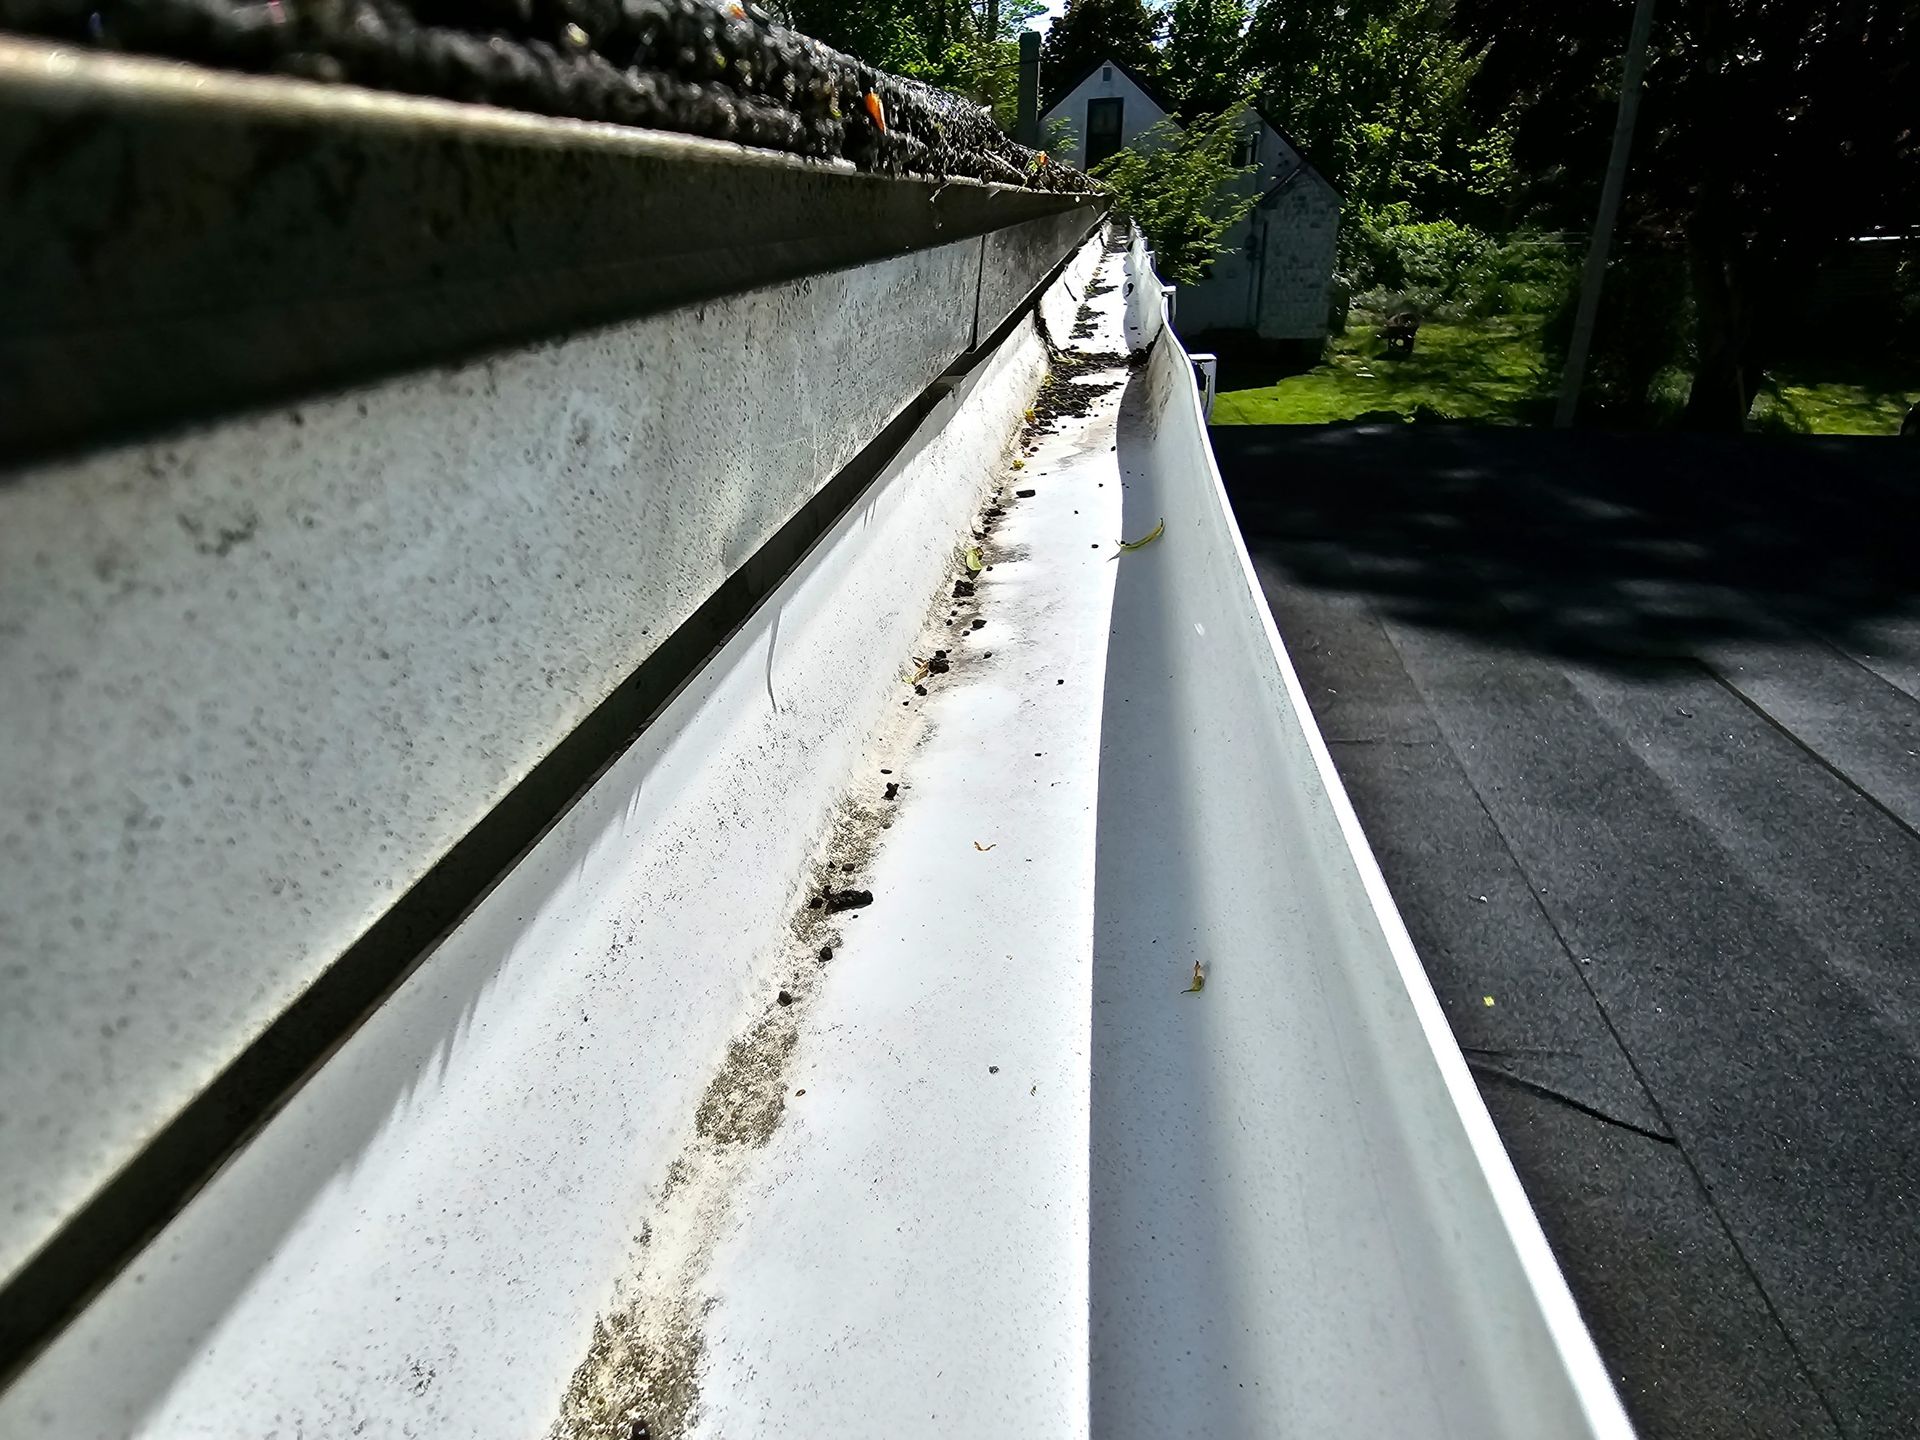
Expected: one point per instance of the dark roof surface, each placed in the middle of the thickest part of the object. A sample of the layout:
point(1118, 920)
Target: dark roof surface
point(1633, 726)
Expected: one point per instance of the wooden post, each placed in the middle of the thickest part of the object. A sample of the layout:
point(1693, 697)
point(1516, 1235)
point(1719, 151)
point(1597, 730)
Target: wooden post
point(1575, 374)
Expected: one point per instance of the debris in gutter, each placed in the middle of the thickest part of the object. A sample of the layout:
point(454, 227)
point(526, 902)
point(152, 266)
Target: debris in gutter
point(1199, 980)
point(893, 790)
point(974, 562)
point(938, 665)
point(785, 997)
point(983, 848)
point(962, 589)
point(826, 953)
point(1023, 494)
point(838, 900)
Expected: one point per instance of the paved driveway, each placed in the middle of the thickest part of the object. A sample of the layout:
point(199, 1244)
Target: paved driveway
point(1634, 727)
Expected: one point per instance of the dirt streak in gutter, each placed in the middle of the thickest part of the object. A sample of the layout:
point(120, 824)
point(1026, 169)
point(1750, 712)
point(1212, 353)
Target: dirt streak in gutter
point(640, 1379)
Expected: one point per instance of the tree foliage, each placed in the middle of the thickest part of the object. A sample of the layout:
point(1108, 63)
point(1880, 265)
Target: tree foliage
point(1377, 91)
point(970, 47)
point(1177, 184)
point(1770, 131)
point(1205, 66)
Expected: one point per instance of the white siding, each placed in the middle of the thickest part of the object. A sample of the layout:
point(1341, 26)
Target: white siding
point(1273, 156)
point(1276, 277)
point(1106, 81)
point(1302, 228)
point(1226, 299)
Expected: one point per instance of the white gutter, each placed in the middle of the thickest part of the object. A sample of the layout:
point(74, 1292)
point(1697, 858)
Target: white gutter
point(563, 1178)
point(1303, 1220)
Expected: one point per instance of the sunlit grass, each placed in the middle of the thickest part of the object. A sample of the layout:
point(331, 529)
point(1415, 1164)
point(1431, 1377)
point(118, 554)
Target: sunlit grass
point(1496, 372)
point(1830, 408)
point(1486, 370)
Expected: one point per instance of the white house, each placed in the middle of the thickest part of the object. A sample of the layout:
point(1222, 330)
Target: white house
point(1275, 280)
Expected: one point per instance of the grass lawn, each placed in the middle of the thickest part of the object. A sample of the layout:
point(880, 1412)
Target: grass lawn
point(1486, 370)
point(1801, 405)
point(1496, 372)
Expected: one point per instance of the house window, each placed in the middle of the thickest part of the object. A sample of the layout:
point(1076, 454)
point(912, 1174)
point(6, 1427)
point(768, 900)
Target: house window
point(1103, 129)
point(1106, 74)
point(1246, 150)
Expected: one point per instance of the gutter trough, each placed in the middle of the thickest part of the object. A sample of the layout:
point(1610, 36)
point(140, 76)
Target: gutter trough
point(827, 1056)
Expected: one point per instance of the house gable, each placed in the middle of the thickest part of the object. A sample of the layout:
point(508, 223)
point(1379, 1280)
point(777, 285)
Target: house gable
point(1116, 103)
point(1295, 158)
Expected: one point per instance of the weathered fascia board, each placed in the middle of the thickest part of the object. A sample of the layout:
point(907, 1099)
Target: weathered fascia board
point(180, 240)
point(266, 676)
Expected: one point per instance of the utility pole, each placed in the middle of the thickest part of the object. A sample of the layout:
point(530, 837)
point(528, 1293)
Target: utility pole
point(1575, 374)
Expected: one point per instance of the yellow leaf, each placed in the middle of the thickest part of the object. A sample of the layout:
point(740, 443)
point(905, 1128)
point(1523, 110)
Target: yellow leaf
point(974, 563)
point(1146, 539)
point(1199, 980)
point(1019, 464)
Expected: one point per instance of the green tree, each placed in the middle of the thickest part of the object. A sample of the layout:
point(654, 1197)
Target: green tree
point(1090, 31)
point(1204, 69)
point(1377, 92)
point(1770, 131)
point(970, 47)
point(1177, 185)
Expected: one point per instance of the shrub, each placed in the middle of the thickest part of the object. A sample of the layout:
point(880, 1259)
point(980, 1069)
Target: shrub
point(1386, 249)
point(1179, 187)
point(1393, 260)
point(1636, 371)
point(1526, 275)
